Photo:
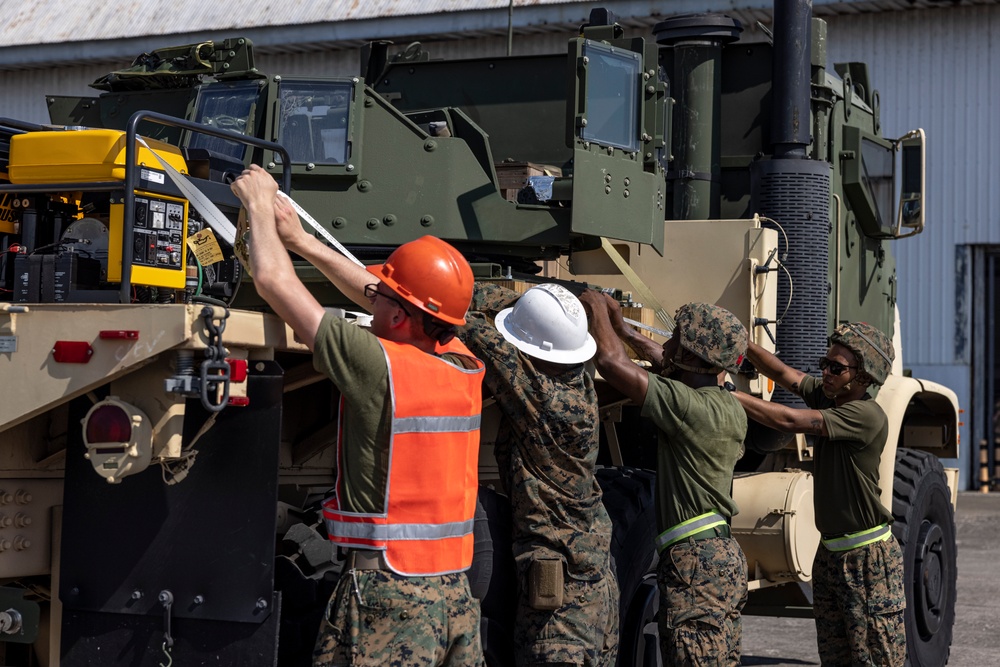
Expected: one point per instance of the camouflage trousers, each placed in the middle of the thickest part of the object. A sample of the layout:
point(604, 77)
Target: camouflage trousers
point(377, 618)
point(703, 587)
point(858, 601)
point(583, 631)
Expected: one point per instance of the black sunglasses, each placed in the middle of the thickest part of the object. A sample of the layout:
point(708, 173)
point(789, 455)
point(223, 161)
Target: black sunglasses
point(834, 367)
point(371, 292)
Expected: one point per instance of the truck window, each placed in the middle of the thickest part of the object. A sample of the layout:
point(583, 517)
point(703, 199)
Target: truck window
point(612, 95)
point(878, 163)
point(314, 121)
point(227, 106)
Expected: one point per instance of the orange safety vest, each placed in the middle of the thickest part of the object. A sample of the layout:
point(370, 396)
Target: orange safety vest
point(425, 526)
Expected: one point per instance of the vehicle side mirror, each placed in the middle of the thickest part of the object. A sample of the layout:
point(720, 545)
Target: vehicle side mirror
point(912, 207)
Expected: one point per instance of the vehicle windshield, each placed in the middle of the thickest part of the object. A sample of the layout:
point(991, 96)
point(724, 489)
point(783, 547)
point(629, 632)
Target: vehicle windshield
point(611, 96)
point(226, 106)
point(315, 120)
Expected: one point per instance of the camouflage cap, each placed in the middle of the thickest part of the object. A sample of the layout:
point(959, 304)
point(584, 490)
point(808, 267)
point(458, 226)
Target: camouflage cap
point(713, 334)
point(872, 348)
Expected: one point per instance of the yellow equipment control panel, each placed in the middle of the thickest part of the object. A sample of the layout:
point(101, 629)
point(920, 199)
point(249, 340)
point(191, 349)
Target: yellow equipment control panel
point(159, 231)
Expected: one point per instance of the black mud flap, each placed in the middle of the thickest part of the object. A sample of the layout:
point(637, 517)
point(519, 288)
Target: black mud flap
point(207, 540)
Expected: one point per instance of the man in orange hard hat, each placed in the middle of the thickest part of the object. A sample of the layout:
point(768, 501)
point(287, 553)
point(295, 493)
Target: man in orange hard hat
point(408, 443)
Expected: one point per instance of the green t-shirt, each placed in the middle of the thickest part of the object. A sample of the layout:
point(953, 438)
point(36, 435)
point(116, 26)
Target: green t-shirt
point(846, 495)
point(354, 360)
point(700, 440)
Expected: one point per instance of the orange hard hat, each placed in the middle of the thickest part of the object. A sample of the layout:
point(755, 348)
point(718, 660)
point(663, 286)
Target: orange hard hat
point(432, 275)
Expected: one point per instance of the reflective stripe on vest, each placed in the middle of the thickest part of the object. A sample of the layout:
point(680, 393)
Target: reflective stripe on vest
point(859, 539)
point(366, 530)
point(436, 424)
point(688, 528)
point(425, 528)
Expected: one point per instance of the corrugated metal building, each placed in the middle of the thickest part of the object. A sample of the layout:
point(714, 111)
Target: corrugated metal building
point(935, 64)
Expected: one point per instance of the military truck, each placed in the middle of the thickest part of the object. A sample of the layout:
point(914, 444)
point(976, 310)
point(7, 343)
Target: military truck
point(166, 440)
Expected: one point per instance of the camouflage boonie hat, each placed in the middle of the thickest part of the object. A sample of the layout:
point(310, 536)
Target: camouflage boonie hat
point(872, 348)
point(713, 334)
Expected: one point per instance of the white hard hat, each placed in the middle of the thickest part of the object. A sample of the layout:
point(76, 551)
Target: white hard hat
point(548, 323)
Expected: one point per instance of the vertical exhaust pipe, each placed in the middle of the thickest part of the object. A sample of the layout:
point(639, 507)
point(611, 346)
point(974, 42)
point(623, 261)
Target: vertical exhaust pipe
point(696, 81)
point(794, 190)
point(791, 74)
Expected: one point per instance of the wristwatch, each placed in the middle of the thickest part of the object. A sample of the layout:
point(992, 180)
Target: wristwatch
point(729, 386)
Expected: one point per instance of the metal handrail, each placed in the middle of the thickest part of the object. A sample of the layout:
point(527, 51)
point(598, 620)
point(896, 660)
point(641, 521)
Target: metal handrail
point(130, 178)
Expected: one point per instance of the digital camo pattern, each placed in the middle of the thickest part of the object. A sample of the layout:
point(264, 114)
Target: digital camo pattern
point(546, 447)
point(380, 619)
point(546, 450)
point(584, 631)
point(703, 587)
point(712, 333)
point(872, 348)
point(858, 601)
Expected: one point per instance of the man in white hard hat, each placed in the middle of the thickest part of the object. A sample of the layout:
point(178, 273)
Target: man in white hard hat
point(547, 449)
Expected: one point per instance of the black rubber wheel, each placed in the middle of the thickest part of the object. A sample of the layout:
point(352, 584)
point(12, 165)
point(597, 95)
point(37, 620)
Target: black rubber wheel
point(629, 500)
point(629, 495)
point(493, 576)
point(925, 529)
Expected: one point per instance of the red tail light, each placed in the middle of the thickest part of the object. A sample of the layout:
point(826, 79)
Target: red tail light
point(109, 423)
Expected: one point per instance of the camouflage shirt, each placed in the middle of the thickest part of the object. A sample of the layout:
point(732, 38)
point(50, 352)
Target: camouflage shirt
point(546, 446)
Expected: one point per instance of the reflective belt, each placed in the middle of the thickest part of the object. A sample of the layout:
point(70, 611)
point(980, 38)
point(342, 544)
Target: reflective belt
point(859, 539)
point(686, 529)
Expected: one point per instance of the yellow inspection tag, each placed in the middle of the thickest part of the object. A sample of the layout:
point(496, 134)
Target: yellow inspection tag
point(205, 247)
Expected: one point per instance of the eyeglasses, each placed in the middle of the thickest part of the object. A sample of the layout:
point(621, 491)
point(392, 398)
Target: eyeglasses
point(371, 292)
point(834, 367)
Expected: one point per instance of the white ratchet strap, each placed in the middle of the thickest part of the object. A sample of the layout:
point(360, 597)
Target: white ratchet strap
point(213, 216)
point(220, 223)
point(320, 229)
point(633, 278)
point(647, 327)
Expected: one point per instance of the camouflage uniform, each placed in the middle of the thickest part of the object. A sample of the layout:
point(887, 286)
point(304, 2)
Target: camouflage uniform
point(546, 450)
point(858, 600)
point(702, 582)
point(380, 619)
point(858, 596)
point(701, 595)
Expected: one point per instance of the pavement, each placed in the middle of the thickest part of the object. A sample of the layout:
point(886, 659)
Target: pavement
point(777, 642)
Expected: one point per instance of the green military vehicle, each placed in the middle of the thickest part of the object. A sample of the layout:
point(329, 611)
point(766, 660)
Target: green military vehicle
point(166, 441)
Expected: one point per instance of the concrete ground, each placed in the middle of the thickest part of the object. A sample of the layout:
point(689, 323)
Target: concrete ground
point(976, 642)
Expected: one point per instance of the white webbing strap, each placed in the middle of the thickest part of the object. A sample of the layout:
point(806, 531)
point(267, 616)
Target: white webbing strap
point(637, 284)
point(320, 229)
point(220, 223)
point(213, 216)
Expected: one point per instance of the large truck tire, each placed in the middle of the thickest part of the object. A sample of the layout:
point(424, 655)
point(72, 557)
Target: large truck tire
point(925, 529)
point(629, 497)
point(629, 500)
point(493, 576)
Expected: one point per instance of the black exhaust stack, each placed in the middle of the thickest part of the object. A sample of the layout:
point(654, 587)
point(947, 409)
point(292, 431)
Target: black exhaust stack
point(793, 189)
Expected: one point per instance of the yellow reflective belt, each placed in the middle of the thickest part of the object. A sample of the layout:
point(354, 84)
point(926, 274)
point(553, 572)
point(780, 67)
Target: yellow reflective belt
point(688, 528)
point(859, 539)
